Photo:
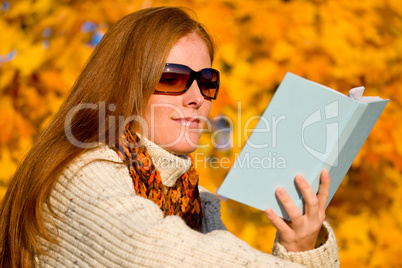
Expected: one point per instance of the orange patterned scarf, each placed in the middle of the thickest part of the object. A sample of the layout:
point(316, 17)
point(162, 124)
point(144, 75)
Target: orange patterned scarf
point(182, 199)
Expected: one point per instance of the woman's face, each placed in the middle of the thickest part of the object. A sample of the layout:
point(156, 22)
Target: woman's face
point(175, 122)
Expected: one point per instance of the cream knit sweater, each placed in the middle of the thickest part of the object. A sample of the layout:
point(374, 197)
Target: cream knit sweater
point(102, 223)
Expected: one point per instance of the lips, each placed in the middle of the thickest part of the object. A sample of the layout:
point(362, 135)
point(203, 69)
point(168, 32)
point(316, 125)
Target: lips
point(191, 122)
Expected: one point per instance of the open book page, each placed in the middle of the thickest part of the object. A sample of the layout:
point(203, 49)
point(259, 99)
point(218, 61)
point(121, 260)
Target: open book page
point(357, 94)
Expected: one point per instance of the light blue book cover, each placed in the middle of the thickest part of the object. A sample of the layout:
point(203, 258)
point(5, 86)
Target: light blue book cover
point(306, 128)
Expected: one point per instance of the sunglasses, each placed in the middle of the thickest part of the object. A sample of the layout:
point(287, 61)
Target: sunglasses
point(177, 79)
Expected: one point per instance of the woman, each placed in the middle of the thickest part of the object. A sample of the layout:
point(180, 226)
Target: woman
point(109, 182)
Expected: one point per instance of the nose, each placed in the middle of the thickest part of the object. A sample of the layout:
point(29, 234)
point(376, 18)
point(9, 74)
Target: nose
point(193, 96)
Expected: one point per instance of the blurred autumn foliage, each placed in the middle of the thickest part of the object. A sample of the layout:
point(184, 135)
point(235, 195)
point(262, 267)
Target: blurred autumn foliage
point(341, 44)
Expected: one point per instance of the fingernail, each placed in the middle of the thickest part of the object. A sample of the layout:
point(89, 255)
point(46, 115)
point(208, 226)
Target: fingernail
point(300, 179)
point(269, 212)
point(281, 191)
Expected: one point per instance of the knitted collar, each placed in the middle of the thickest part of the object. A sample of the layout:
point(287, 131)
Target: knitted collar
point(170, 166)
point(182, 199)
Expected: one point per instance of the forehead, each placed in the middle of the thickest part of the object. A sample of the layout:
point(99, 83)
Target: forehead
point(192, 51)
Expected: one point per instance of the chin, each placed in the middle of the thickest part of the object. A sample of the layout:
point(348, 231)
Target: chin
point(182, 149)
point(185, 146)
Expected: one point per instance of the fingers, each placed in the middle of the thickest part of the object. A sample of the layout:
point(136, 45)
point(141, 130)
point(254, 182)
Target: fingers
point(310, 198)
point(315, 204)
point(293, 211)
point(301, 234)
point(276, 221)
point(323, 192)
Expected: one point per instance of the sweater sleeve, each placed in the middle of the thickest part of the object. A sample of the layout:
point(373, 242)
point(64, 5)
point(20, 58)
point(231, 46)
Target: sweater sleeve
point(102, 223)
point(325, 254)
point(211, 210)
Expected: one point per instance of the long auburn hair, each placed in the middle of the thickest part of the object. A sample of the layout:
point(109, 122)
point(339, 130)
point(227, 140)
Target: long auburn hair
point(123, 70)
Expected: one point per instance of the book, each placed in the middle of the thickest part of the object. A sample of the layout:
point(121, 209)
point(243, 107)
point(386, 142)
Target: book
point(306, 128)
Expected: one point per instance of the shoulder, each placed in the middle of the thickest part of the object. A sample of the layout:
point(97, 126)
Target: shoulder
point(98, 167)
point(100, 153)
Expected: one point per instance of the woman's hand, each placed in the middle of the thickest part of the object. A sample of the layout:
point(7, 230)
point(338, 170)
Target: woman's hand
point(301, 233)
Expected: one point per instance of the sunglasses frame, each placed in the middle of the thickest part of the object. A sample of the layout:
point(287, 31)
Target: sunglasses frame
point(193, 76)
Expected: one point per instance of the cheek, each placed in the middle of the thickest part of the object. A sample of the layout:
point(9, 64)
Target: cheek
point(156, 115)
point(157, 108)
point(158, 118)
point(161, 129)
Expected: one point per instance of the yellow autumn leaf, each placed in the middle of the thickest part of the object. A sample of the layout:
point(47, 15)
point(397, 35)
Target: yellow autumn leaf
point(32, 103)
point(19, 8)
point(42, 6)
point(354, 238)
point(6, 125)
point(6, 77)
point(282, 51)
point(13, 126)
point(54, 81)
point(7, 165)
point(29, 57)
point(11, 34)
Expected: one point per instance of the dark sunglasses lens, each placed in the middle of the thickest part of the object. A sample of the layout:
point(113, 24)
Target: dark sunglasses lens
point(173, 82)
point(209, 81)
